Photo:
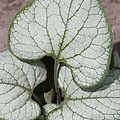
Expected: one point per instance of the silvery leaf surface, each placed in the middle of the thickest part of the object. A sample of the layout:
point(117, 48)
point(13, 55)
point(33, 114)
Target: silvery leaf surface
point(75, 32)
point(99, 103)
point(17, 81)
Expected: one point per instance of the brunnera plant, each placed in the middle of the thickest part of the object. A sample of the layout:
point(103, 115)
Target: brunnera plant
point(57, 65)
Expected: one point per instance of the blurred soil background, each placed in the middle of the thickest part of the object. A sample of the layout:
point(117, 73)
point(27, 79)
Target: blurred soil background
point(8, 9)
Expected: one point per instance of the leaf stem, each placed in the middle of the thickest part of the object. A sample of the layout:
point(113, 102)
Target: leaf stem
point(37, 99)
point(57, 91)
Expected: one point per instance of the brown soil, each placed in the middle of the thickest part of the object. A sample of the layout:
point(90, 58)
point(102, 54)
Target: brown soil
point(8, 9)
point(112, 9)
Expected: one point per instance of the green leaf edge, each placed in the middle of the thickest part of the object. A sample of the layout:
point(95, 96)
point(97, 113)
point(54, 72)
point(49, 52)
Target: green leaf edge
point(31, 100)
point(68, 99)
point(56, 57)
point(111, 45)
point(36, 104)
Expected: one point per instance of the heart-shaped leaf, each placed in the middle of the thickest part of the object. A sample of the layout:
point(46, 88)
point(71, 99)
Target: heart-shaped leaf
point(72, 31)
point(17, 81)
point(99, 103)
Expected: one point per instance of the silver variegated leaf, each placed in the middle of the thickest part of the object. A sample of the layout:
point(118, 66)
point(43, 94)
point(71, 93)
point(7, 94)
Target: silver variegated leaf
point(17, 82)
point(99, 103)
point(75, 32)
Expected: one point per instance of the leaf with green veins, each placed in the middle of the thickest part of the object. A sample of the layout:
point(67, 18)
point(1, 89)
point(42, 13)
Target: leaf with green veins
point(17, 81)
point(74, 32)
point(99, 103)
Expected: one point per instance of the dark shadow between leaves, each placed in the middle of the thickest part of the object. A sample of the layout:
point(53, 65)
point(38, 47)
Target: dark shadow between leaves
point(117, 47)
point(48, 84)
